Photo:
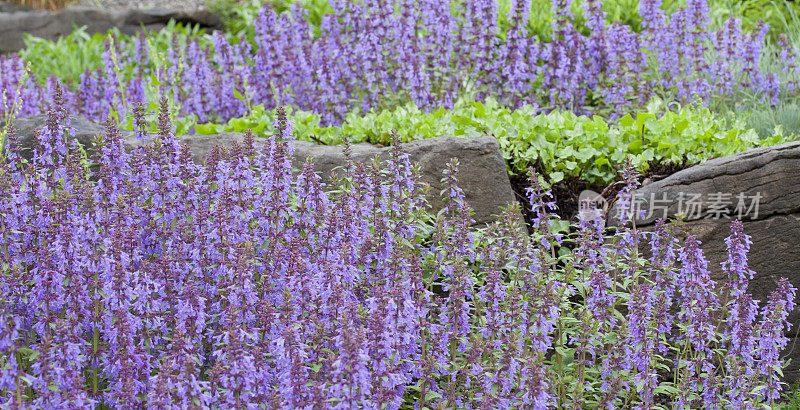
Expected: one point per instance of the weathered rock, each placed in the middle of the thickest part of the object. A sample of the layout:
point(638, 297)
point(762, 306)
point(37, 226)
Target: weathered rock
point(759, 186)
point(200, 146)
point(53, 24)
point(7, 7)
point(482, 172)
point(85, 131)
point(769, 173)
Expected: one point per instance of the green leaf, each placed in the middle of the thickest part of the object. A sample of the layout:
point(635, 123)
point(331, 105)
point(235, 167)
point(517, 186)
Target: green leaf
point(666, 388)
point(600, 161)
point(238, 95)
point(432, 395)
point(208, 129)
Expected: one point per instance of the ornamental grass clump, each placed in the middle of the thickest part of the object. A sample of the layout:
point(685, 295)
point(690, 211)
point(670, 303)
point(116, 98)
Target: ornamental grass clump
point(242, 284)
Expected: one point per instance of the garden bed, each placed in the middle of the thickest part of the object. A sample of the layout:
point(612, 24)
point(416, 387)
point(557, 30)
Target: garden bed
point(239, 282)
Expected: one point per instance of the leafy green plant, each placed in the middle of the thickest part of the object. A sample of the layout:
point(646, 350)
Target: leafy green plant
point(563, 143)
point(753, 12)
point(238, 15)
point(791, 399)
point(569, 145)
point(68, 57)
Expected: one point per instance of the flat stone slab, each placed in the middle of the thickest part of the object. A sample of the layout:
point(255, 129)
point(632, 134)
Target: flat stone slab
point(482, 173)
point(50, 25)
point(729, 187)
point(759, 186)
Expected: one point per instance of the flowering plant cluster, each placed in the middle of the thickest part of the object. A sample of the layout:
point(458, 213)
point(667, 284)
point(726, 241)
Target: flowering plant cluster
point(242, 284)
point(367, 54)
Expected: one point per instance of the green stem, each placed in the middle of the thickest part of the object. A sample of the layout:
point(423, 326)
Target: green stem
point(95, 336)
point(560, 359)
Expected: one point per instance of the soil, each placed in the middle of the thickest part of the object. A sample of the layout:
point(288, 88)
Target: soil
point(566, 192)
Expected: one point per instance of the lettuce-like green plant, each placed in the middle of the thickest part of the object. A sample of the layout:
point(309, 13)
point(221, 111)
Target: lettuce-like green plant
point(562, 143)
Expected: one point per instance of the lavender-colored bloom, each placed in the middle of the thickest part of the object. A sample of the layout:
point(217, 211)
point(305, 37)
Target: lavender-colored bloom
point(772, 336)
point(736, 267)
point(542, 205)
point(698, 306)
point(596, 44)
point(240, 283)
point(423, 53)
point(629, 204)
point(598, 282)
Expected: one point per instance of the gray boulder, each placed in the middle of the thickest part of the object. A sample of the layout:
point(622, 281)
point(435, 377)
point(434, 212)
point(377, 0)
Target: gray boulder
point(200, 146)
point(54, 24)
point(85, 132)
point(8, 7)
point(482, 171)
point(726, 188)
point(762, 188)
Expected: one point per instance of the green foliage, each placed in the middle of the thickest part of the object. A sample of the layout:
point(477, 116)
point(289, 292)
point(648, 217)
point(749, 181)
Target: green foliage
point(792, 398)
point(777, 13)
point(784, 118)
point(569, 145)
point(68, 57)
point(561, 142)
point(238, 15)
point(541, 16)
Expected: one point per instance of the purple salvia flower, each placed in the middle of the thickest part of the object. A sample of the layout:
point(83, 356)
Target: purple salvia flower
point(516, 65)
point(788, 56)
point(596, 44)
point(642, 343)
point(629, 206)
point(772, 338)
point(699, 303)
point(738, 243)
point(542, 207)
point(350, 376)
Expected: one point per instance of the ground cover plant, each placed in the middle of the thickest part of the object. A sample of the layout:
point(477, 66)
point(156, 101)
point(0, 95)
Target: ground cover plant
point(74, 56)
point(428, 54)
point(237, 284)
point(560, 143)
